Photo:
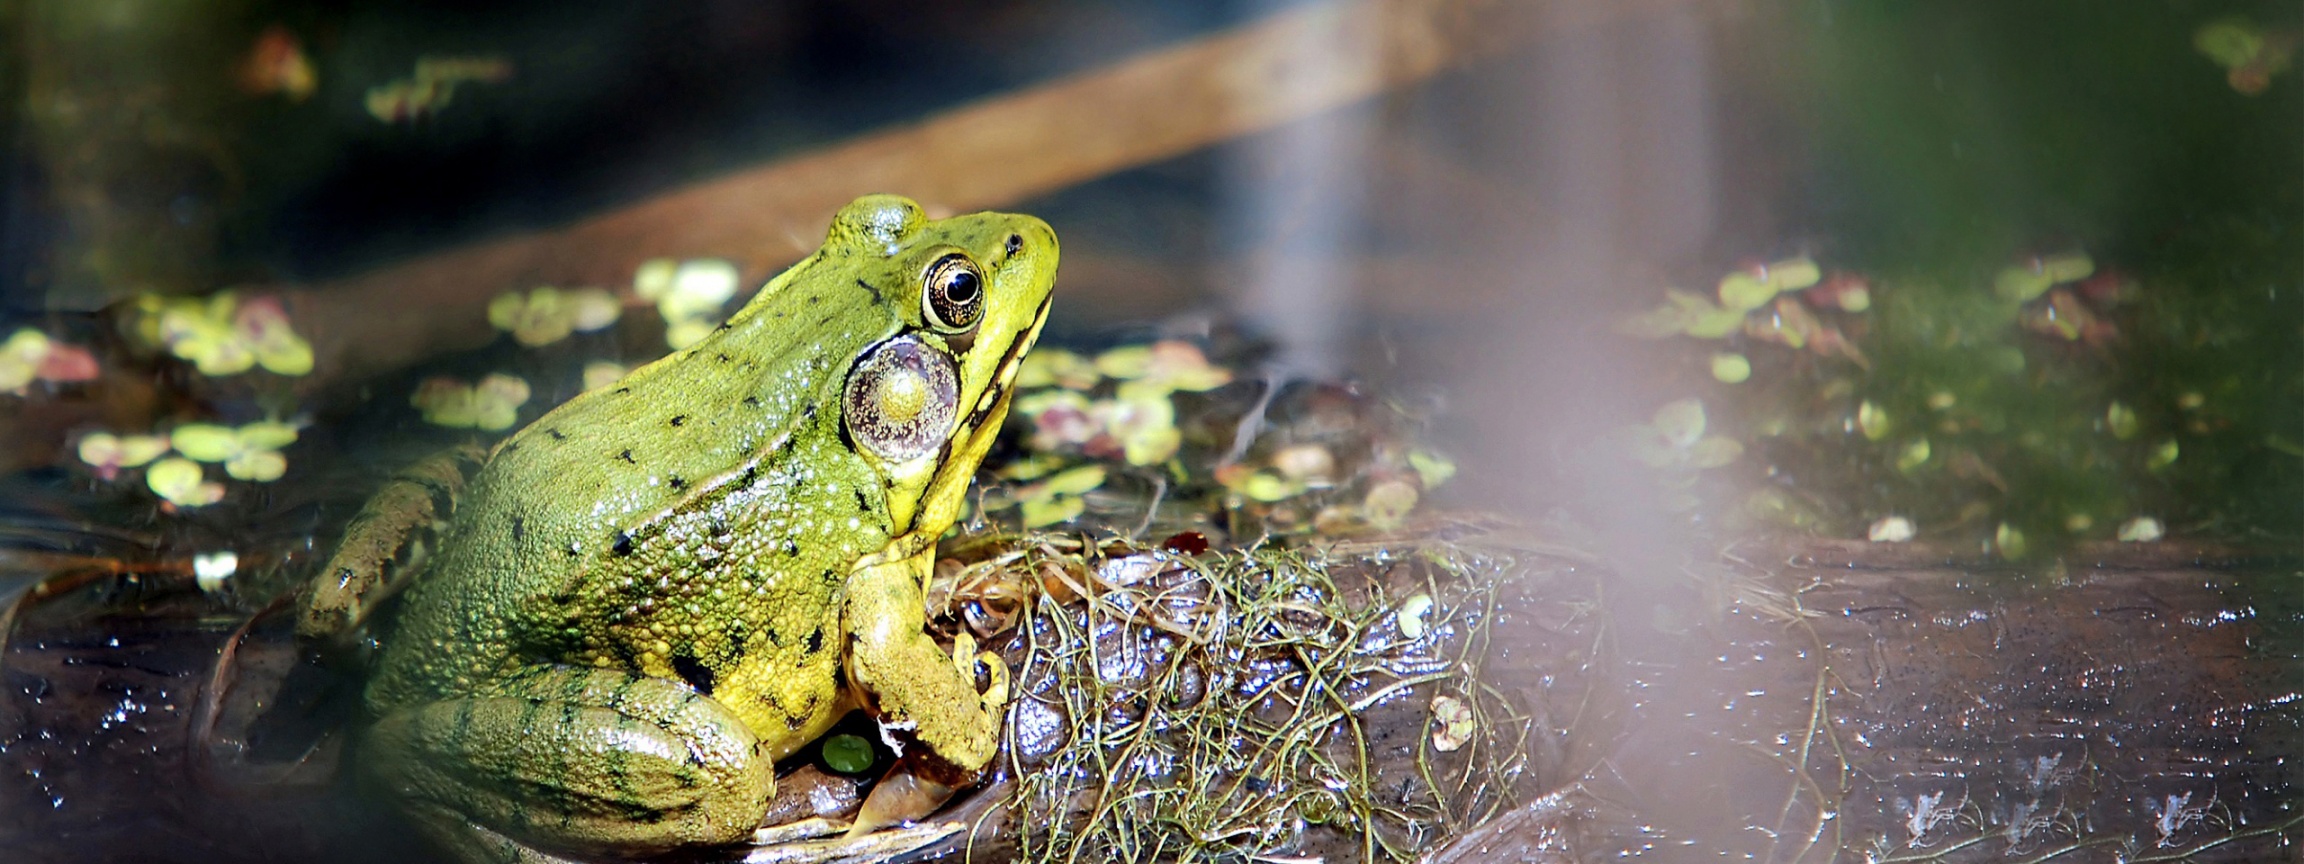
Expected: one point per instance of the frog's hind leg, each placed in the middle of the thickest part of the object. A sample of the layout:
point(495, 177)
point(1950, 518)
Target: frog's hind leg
point(569, 760)
point(384, 546)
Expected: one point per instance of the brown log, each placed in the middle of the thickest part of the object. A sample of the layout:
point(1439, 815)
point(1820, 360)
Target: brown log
point(991, 153)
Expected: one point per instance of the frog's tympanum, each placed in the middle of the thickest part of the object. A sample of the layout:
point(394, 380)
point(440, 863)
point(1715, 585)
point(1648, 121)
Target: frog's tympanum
point(655, 591)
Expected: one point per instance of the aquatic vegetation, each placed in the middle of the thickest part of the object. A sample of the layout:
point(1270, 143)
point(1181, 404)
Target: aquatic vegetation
point(492, 404)
point(2250, 55)
point(1892, 529)
point(277, 64)
point(433, 86)
point(2142, 529)
point(688, 294)
point(108, 453)
point(1674, 439)
point(29, 355)
point(181, 482)
point(1120, 409)
point(601, 373)
point(222, 335)
point(250, 452)
point(1225, 706)
point(1057, 498)
point(547, 315)
point(1161, 368)
point(1136, 421)
point(2042, 402)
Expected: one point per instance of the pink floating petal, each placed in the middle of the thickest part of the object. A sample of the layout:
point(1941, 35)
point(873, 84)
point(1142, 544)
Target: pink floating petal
point(69, 363)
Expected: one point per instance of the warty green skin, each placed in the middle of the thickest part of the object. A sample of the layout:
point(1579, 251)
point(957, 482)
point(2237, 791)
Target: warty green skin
point(661, 587)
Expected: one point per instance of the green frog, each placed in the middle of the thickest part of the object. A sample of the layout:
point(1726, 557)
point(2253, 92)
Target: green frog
point(652, 593)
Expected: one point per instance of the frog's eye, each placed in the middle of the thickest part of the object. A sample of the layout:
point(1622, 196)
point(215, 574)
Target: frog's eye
point(953, 297)
point(901, 398)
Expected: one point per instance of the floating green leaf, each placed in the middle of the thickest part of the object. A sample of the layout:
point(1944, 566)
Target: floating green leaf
point(2163, 455)
point(1743, 291)
point(1913, 455)
point(2022, 283)
point(2010, 541)
point(2121, 421)
point(1872, 421)
point(847, 754)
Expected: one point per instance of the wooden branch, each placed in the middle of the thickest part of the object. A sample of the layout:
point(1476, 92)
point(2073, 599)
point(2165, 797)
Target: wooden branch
point(987, 154)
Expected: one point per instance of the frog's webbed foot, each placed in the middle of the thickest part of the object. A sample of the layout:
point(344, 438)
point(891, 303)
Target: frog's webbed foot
point(576, 761)
point(385, 544)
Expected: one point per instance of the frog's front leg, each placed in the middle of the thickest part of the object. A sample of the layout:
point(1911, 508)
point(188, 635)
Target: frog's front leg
point(911, 682)
point(573, 761)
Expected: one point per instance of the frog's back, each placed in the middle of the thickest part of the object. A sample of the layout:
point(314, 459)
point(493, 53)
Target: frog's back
point(561, 502)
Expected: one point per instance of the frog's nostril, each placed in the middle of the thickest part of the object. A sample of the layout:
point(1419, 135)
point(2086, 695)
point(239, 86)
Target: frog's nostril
point(1015, 244)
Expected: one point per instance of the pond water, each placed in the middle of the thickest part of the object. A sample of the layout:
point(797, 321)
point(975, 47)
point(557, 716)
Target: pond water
point(1986, 319)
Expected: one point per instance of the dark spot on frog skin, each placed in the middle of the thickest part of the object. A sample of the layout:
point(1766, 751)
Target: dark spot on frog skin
point(815, 640)
point(623, 391)
point(723, 356)
point(676, 483)
point(555, 433)
point(773, 637)
point(693, 671)
point(794, 722)
point(627, 457)
point(575, 548)
point(725, 653)
point(519, 528)
point(622, 545)
point(751, 401)
point(678, 419)
point(863, 505)
point(791, 546)
point(751, 474)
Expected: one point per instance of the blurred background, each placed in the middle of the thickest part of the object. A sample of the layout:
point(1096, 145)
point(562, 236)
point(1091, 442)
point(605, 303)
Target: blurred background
point(2001, 278)
point(1469, 211)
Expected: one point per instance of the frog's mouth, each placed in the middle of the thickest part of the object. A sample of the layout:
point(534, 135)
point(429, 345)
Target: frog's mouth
point(1011, 361)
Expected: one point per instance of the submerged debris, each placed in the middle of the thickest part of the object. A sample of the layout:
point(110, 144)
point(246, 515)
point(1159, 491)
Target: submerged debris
point(1259, 704)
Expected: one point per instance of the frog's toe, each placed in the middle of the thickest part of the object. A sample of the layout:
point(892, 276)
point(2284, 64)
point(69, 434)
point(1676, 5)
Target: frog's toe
point(995, 693)
point(965, 658)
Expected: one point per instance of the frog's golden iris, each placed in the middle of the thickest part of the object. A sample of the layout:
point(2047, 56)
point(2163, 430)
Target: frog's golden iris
point(655, 591)
point(955, 296)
